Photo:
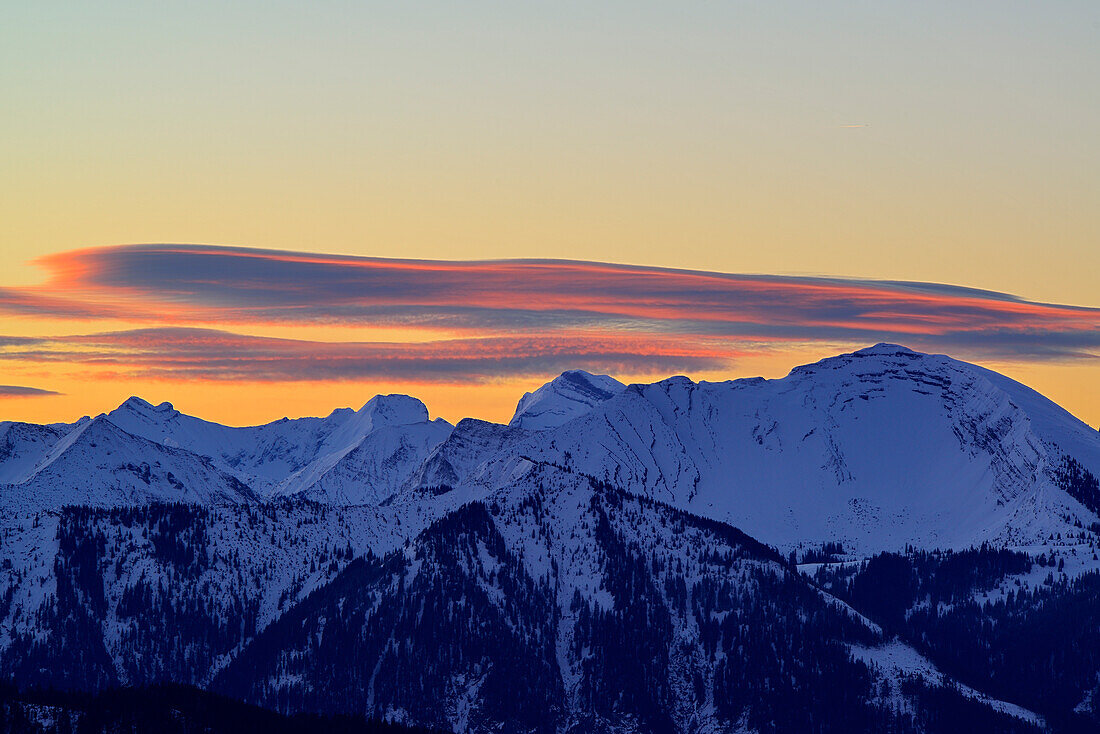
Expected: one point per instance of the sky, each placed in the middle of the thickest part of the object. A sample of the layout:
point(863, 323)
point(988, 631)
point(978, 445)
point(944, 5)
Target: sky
point(264, 209)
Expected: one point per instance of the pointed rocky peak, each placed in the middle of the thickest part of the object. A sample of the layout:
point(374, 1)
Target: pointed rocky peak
point(134, 405)
point(567, 396)
point(599, 386)
point(160, 424)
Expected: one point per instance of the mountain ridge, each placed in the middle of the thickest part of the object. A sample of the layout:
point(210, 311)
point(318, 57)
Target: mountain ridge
point(877, 449)
point(668, 557)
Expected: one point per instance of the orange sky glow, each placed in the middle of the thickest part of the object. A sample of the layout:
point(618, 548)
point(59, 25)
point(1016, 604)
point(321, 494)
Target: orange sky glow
point(459, 201)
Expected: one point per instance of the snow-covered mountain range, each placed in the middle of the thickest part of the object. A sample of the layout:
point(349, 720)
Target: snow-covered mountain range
point(877, 450)
point(609, 538)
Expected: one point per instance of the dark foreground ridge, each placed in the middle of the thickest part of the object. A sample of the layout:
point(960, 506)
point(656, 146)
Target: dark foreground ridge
point(166, 709)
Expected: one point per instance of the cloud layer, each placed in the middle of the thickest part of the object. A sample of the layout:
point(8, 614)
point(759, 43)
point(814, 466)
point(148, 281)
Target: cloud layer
point(503, 317)
point(19, 391)
point(210, 354)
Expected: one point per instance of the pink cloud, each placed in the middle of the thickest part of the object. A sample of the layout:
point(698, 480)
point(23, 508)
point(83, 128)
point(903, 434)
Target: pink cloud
point(191, 285)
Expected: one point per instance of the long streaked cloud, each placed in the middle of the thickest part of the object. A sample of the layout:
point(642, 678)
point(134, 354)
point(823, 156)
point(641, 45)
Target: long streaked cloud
point(210, 354)
point(20, 391)
point(504, 317)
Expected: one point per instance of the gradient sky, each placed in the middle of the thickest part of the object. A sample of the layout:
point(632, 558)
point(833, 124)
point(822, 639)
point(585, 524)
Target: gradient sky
point(822, 147)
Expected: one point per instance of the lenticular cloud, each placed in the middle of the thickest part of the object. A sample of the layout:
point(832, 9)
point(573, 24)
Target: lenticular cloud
point(499, 317)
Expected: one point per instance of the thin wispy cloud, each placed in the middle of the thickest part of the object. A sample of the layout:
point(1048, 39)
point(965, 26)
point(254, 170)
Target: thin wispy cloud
point(210, 354)
point(20, 391)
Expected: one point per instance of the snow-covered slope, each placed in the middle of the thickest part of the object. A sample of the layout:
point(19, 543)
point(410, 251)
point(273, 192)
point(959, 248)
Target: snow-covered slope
point(22, 447)
point(614, 614)
point(163, 592)
point(99, 464)
point(876, 449)
point(470, 444)
point(25, 446)
point(567, 396)
point(371, 472)
point(370, 454)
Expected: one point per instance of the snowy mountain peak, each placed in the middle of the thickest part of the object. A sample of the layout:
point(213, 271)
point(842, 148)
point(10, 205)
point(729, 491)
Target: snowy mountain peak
point(885, 349)
point(394, 410)
point(134, 404)
point(567, 396)
point(879, 353)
